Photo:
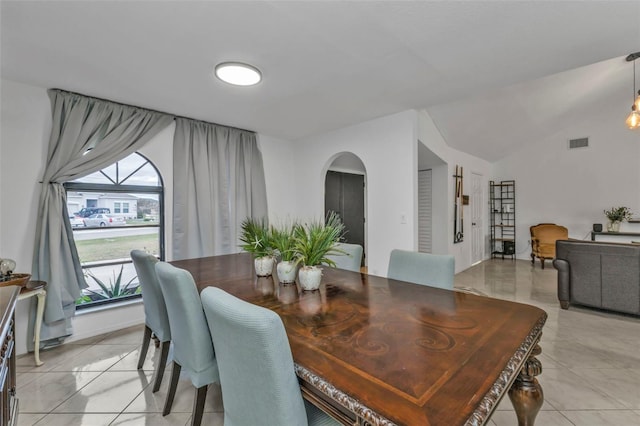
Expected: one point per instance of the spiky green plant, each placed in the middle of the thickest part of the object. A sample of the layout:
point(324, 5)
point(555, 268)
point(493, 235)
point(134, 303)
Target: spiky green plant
point(315, 240)
point(282, 238)
point(115, 287)
point(256, 237)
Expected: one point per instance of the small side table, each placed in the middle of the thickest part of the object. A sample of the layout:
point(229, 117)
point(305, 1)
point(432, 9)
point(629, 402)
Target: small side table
point(36, 288)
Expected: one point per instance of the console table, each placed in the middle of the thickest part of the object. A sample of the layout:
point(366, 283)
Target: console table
point(36, 288)
point(614, 234)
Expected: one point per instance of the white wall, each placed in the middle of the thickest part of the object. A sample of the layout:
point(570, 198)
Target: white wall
point(386, 147)
point(573, 187)
point(443, 190)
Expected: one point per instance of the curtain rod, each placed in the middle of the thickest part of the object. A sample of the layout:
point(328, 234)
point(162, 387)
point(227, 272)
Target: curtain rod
point(151, 110)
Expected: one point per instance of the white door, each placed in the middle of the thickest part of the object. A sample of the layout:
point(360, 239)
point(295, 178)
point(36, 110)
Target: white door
point(477, 231)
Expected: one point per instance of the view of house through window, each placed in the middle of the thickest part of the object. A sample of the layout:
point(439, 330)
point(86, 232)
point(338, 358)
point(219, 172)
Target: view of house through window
point(113, 211)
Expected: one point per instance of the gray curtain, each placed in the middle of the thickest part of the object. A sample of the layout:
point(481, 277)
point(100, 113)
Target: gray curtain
point(218, 181)
point(87, 135)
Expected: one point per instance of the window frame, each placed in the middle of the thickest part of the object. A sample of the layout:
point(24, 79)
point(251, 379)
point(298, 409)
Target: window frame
point(123, 188)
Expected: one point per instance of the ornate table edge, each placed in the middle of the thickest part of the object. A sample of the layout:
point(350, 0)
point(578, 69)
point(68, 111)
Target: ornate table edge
point(507, 376)
point(365, 415)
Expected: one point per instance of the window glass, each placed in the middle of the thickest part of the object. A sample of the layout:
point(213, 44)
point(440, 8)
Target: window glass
point(112, 212)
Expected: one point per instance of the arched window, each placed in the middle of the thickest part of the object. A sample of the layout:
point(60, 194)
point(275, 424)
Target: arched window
point(113, 211)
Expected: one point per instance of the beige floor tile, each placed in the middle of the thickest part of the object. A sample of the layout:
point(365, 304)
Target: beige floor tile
point(623, 385)
point(129, 335)
point(130, 362)
point(213, 419)
point(111, 392)
point(96, 358)
point(77, 419)
point(603, 418)
point(544, 418)
point(153, 419)
point(151, 402)
point(51, 358)
point(48, 390)
point(26, 419)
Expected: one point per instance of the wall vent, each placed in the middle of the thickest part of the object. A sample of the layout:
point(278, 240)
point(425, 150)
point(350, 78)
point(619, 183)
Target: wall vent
point(578, 143)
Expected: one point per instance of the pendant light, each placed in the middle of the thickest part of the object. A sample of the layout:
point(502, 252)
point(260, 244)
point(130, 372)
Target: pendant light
point(633, 120)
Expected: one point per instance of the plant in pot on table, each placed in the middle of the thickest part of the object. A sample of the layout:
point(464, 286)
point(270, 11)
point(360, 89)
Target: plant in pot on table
point(256, 239)
point(313, 242)
point(284, 243)
point(615, 216)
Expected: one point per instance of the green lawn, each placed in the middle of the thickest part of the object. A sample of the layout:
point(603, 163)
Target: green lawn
point(116, 248)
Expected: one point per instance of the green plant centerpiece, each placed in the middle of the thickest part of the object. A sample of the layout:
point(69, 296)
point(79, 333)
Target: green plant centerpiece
point(313, 241)
point(615, 216)
point(282, 238)
point(256, 239)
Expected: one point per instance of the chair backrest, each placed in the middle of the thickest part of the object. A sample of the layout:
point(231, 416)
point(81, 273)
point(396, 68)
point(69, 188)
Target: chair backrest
point(192, 347)
point(351, 260)
point(434, 270)
point(155, 309)
point(544, 237)
point(257, 376)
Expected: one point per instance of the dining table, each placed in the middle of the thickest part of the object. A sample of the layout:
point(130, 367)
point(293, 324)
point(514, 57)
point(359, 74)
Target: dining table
point(370, 350)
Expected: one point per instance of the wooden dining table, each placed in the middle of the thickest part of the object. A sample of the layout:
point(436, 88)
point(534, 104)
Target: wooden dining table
point(370, 350)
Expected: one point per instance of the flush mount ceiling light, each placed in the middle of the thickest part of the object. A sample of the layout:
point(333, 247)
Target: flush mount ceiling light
point(238, 74)
point(633, 120)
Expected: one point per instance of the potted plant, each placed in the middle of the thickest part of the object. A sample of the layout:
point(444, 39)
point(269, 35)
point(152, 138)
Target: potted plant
point(284, 243)
point(256, 239)
point(615, 216)
point(313, 242)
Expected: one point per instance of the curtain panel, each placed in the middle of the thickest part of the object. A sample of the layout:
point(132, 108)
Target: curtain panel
point(218, 181)
point(87, 135)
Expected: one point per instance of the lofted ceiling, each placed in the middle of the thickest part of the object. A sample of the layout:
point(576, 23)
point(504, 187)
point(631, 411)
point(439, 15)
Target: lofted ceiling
point(487, 72)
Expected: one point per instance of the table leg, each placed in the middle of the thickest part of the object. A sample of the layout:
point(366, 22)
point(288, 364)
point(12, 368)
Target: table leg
point(36, 332)
point(526, 393)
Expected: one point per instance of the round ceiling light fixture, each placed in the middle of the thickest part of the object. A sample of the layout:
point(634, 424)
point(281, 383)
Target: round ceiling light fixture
point(238, 74)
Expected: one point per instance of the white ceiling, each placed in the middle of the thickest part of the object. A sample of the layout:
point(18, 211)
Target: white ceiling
point(488, 72)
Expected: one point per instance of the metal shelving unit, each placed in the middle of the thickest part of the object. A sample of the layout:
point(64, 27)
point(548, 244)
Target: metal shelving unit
point(502, 218)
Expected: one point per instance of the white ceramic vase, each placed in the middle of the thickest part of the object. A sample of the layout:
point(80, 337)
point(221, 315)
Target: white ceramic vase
point(310, 277)
point(613, 227)
point(264, 266)
point(286, 271)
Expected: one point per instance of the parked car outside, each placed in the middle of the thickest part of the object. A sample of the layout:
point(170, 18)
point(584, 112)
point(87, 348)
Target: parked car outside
point(76, 222)
point(104, 220)
point(88, 211)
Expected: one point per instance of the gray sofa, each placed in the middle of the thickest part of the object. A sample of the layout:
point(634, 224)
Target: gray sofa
point(598, 274)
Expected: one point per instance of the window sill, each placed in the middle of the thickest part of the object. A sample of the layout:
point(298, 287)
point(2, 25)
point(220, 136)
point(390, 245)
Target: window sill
point(108, 306)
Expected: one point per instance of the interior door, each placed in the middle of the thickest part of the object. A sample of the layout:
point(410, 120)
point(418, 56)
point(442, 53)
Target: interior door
point(477, 231)
point(425, 210)
point(344, 194)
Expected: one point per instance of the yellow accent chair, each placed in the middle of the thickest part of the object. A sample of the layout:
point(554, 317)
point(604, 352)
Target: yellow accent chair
point(543, 241)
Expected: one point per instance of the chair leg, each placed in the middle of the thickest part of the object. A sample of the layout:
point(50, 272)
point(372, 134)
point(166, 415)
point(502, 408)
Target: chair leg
point(162, 364)
point(542, 262)
point(198, 405)
point(173, 385)
point(145, 346)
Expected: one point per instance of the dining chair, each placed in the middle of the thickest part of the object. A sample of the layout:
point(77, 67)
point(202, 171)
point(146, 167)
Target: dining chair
point(192, 348)
point(257, 377)
point(351, 260)
point(156, 321)
point(433, 270)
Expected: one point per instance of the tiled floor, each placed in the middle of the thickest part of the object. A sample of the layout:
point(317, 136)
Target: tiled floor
point(591, 367)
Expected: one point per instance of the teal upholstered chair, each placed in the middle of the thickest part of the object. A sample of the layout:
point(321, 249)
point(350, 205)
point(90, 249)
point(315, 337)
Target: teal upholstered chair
point(351, 260)
point(192, 348)
point(156, 320)
point(257, 377)
point(422, 268)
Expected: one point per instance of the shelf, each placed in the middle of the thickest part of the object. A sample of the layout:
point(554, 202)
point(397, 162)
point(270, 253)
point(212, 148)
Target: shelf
point(502, 196)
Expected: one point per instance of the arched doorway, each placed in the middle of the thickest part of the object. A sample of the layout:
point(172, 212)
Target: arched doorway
point(345, 193)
